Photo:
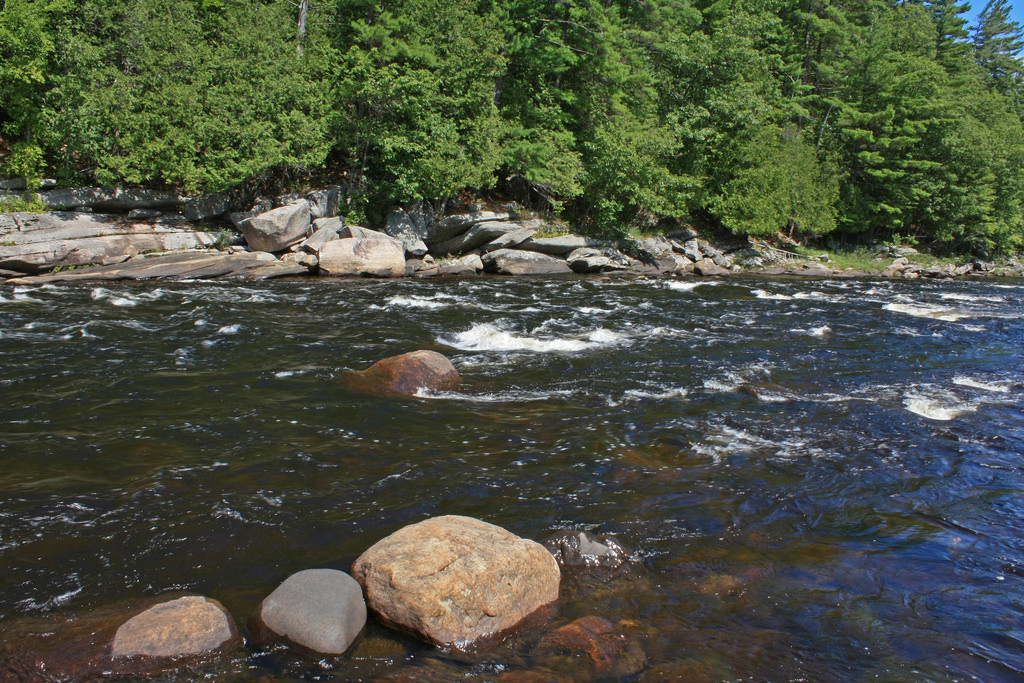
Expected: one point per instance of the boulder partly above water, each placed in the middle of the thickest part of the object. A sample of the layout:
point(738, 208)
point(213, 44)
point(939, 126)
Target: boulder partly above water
point(457, 582)
point(319, 609)
point(407, 374)
point(277, 229)
point(186, 627)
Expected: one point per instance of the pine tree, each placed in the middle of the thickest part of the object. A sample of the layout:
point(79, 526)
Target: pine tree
point(997, 44)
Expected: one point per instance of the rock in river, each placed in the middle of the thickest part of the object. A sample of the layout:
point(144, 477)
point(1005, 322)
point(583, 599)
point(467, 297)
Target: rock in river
point(457, 582)
point(354, 256)
point(581, 549)
point(407, 374)
point(320, 609)
point(189, 626)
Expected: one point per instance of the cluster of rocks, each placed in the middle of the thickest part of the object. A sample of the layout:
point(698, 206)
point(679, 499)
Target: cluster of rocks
point(141, 234)
point(302, 234)
point(458, 583)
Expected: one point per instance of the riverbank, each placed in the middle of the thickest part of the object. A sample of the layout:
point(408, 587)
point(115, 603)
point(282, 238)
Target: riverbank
point(302, 235)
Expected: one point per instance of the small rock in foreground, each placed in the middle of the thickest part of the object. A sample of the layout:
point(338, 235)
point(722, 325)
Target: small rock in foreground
point(319, 609)
point(189, 626)
point(581, 549)
point(458, 582)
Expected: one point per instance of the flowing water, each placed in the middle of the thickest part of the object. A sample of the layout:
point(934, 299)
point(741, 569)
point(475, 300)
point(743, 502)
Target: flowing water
point(818, 480)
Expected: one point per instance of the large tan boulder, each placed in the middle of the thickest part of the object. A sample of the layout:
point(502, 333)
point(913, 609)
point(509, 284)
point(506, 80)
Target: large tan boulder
point(277, 229)
point(189, 626)
point(458, 582)
point(357, 257)
point(407, 374)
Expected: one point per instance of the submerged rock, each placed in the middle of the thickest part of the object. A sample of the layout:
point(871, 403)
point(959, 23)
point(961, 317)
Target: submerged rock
point(407, 374)
point(319, 609)
point(189, 626)
point(602, 645)
point(457, 582)
point(574, 549)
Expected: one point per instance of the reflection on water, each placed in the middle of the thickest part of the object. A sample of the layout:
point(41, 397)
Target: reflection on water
point(820, 480)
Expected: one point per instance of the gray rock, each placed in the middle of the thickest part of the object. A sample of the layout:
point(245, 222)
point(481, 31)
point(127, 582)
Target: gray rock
point(466, 265)
point(656, 246)
point(262, 205)
point(597, 260)
point(320, 609)
point(558, 246)
point(42, 242)
point(12, 184)
point(47, 183)
point(324, 203)
point(691, 250)
point(449, 227)
point(362, 233)
point(684, 234)
point(207, 206)
point(708, 268)
point(984, 266)
point(357, 257)
point(188, 626)
point(306, 260)
point(288, 199)
point(515, 262)
point(279, 228)
point(117, 199)
point(709, 251)
point(509, 240)
point(477, 236)
point(143, 213)
point(404, 228)
point(189, 265)
point(324, 230)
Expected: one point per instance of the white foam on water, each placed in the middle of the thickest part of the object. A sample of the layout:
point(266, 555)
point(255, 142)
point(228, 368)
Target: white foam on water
point(687, 286)
point(122, 302)
point(285, 373)
point(591, 310)
point(763, 294)
point(724, 385)
point(975, 328)
point(820, 332)
point(984, 386)
point(488, 337)
point(496, 397)
point(419, 302)
point(936, 407)
point(922, 311)
point(658, 395)
point(229, 329)
point(957, 296)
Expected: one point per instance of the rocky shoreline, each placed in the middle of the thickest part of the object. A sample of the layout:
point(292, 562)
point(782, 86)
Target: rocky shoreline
point(161, 235)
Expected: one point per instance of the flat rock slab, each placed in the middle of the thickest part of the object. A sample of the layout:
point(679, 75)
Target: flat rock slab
point(407, 374)
point(33, 243)
point(188, 626)
point(190, 265)
point(319, 609)
point(559, 246)
point(515, 262)
point(477, 236)
point(457, 582)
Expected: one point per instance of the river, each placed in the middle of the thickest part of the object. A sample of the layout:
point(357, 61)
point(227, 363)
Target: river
point(818, 480)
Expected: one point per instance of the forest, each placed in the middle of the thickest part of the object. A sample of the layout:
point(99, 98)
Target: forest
point(847, 120)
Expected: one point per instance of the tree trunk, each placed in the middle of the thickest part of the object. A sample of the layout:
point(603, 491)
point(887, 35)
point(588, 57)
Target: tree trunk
point(301, 34)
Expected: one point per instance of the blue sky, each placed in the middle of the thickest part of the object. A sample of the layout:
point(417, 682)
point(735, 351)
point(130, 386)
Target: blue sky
point(1016, 11)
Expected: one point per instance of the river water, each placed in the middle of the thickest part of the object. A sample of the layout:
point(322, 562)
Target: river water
point(818, 480)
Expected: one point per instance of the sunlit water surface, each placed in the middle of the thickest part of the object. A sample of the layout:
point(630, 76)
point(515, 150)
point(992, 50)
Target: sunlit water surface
point(819, 480)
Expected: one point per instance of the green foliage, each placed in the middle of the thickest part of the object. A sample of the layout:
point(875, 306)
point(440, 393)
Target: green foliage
point(781, 185)
point(25, 161)
point(27, 204)
point(864, 119)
